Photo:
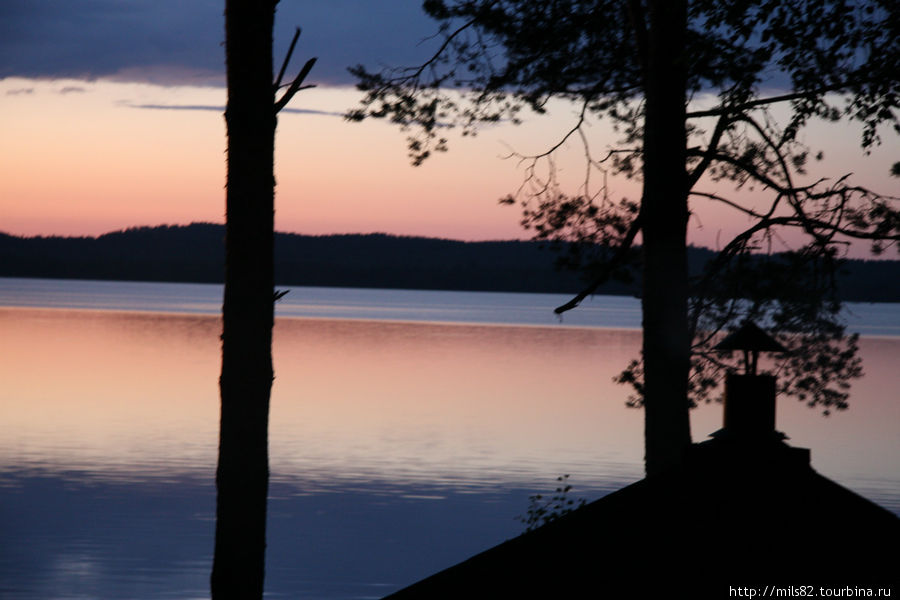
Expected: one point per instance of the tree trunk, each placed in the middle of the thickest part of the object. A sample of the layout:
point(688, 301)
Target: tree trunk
point(242, 477)
point(664, 215)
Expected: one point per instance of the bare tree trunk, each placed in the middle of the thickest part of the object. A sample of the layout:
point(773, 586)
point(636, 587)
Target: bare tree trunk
point(664, 214)
point(242, 477)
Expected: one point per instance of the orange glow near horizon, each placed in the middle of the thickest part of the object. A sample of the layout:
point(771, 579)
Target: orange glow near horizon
point(84, 162)
point(90, 161)
point(83, 158)
point(100, 390)
point(136, 393)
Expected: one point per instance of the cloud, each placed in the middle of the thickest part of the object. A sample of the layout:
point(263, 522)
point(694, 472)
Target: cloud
point(72, 89)
point(212, 107)
point(175, 106)
point(89, 39)
point(172, 42)
point(20, 92)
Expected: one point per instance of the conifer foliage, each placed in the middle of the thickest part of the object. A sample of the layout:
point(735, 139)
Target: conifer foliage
point(693, 88)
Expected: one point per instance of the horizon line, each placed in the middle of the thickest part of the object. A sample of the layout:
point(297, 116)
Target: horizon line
point(362, 234)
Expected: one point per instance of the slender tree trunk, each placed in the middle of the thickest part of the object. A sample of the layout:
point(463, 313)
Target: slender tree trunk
point(242, 477)
point(664, 214)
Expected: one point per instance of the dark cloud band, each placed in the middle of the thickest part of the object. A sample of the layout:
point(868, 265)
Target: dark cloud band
point(176, 42)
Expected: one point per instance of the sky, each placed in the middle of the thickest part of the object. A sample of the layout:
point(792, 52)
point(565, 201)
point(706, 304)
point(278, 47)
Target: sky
point(111, 117)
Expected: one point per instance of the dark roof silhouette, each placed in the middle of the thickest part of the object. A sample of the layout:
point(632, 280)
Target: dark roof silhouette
point(750, 337)
point(737, 515)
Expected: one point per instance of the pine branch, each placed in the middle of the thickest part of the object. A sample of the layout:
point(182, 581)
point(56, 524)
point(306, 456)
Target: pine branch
point(617, 259)
point(695, 175)
point(739, 108)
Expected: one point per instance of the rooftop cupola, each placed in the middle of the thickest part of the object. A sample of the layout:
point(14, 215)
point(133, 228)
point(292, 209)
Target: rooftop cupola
point(749, 397)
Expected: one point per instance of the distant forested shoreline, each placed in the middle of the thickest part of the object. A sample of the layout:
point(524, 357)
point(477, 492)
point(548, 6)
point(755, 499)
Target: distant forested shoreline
point(194, 253)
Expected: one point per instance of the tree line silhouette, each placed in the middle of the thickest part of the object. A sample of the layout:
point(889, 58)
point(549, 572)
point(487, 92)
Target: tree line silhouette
point(193, 253)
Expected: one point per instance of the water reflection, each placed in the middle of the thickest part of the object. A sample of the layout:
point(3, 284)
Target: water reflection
point(112, 394)
point(450, 402)
point(136, 393)
point(385, 437)
point(865, 318)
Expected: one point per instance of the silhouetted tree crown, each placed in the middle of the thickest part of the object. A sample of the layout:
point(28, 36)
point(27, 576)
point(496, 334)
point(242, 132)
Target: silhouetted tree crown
point(692, 89)
point(505, 55)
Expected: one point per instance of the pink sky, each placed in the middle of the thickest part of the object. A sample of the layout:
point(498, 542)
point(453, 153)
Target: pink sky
point(80, 158)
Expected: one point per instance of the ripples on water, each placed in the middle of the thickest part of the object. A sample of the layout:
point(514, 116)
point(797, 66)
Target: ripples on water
point(397, 448)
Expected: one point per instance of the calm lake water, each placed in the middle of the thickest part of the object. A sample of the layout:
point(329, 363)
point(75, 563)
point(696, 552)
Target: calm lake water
point(408, 430)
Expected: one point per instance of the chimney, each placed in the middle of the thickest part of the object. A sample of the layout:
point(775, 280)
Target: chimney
point(749, 405)
point(749, 398)
point(748, 441)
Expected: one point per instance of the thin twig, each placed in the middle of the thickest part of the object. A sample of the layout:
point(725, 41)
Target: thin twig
point(413, 73)
point(287, 59)
point(295, 85)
